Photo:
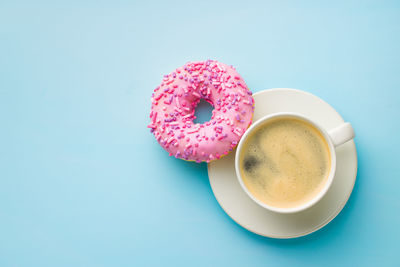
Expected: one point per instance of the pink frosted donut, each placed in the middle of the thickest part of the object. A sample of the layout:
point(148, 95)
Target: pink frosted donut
point(174, 103)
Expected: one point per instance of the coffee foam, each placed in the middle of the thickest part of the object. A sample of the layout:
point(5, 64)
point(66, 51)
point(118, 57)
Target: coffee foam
point(285, 162)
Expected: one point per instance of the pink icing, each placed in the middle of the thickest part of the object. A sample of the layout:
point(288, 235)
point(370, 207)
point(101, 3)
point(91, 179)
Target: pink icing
point(174, 103)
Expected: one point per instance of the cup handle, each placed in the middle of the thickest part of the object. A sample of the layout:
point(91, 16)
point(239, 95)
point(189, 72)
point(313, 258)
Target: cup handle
point(341, 134)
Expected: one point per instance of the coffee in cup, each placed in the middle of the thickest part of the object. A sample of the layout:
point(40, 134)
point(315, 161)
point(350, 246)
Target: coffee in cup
point(286, 162)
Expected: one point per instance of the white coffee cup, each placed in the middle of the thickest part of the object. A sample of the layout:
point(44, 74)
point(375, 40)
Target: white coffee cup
point(333, 138)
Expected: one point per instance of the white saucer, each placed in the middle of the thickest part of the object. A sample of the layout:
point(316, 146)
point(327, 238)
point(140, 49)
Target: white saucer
point(254, 218)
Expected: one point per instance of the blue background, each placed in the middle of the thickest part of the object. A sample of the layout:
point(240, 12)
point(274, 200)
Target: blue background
point(84, 183)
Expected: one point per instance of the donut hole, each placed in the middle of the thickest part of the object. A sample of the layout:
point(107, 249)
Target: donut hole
point(203, 111)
